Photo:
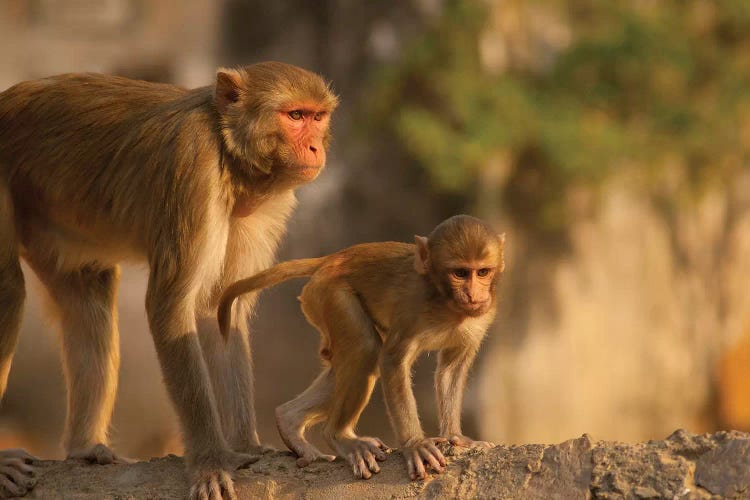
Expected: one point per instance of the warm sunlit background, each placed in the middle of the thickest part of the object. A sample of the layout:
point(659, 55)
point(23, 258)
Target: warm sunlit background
point(609, 139)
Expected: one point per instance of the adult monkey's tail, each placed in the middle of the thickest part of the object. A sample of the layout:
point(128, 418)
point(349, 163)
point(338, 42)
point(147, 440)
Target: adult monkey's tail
point(284, 271)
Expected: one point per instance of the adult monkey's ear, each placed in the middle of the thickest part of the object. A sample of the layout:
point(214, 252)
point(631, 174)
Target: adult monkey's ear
point(422, 255)
point(227, 92)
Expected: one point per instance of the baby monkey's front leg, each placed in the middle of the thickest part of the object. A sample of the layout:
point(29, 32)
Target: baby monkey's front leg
point(395, 369)
point(450, 380)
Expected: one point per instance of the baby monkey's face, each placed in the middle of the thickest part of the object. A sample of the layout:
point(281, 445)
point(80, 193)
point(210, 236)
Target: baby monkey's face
point(463, 258)
point(472, 286)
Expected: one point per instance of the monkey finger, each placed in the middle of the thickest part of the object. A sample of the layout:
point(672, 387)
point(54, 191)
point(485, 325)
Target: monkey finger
point(437, 454)
point(372, 464)
point(411, 469)
point(376, 452)
point(377, 442)
point(428, 457)
point(382, 450)
point(419, 469)
point(358, 466)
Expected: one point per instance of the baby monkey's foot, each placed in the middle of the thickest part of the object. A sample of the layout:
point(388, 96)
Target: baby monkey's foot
point(99, 454)
point(363, 454)
point(467, 442)
point(312, 454)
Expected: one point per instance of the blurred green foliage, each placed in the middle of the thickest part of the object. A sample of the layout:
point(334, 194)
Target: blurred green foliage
point(657, 86)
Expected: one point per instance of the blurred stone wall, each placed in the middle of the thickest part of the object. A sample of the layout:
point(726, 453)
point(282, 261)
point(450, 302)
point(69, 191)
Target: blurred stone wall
point(632, 338)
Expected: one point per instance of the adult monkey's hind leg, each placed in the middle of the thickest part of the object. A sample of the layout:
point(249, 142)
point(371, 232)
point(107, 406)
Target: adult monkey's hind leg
point(170, 306)
point(230, 367)
point(84, 301)
point(15, 472)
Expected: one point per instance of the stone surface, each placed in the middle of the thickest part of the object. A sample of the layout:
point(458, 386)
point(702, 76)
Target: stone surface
point(725, 470)
point(683, 466)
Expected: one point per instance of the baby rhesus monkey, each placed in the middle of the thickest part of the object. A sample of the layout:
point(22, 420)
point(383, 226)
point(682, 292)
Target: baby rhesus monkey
point(378, 306)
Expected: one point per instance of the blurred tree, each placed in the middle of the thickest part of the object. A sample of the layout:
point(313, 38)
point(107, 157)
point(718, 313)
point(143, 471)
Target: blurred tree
point(659, 86)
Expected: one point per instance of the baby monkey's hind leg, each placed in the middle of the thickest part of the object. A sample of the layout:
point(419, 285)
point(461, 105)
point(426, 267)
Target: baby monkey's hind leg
point(355, 348)
point(295, 416)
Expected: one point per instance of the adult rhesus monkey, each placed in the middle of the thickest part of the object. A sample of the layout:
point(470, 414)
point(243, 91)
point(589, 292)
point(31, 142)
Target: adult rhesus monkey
point(377, 306)
point(97, 169)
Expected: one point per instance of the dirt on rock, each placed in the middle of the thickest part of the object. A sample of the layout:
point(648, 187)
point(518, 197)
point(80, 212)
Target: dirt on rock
point(683, 466)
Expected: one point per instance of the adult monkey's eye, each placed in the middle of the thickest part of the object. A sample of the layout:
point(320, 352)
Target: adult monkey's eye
point(296, 114)
point(319, 116)
point(461, 273)
point(483, 272)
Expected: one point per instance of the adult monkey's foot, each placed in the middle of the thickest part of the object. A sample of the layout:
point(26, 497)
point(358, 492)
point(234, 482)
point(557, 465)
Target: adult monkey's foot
point(16, 473)
point(99, 454)
point(211, 476)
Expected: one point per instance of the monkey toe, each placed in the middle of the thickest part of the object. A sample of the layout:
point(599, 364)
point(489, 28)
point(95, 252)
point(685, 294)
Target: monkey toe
point(306, 460)
point(259, 449)
point(16, 480)
point(212, 485)
point(15, 455)
point(467, 442)
point(9, 489)
point(100, 455)
point(375, 447)
point(16, 475)
point(243, 460)
point(363, 463)
point(361, 471)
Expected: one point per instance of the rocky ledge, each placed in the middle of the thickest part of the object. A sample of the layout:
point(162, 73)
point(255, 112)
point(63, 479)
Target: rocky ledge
point(684, 466)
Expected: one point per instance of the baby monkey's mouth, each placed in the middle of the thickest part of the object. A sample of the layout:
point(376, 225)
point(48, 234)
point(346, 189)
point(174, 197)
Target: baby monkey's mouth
point(471, 308)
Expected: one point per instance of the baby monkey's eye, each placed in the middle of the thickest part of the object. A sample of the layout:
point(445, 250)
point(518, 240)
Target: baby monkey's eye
point(461, 273)
point(318, 116)
point(483, 272)
point(296, 114)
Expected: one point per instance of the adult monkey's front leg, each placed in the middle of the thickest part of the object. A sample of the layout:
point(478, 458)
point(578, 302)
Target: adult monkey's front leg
point(231, 371)
point(396, 361)
point(170, 304)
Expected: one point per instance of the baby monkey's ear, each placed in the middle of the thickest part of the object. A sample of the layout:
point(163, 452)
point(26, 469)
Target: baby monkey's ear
point(501, 264)
point(422, 255)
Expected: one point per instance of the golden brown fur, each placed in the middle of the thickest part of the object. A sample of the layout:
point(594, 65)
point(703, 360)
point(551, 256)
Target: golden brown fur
point(96, 169)
point(377, 306)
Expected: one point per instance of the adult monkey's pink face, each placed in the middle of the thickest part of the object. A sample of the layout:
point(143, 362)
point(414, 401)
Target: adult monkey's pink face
point(306, 128)
point(276, 117)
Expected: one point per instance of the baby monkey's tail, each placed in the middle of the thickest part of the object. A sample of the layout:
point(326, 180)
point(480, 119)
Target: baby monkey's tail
point(281, 272)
